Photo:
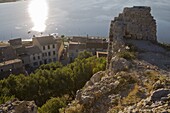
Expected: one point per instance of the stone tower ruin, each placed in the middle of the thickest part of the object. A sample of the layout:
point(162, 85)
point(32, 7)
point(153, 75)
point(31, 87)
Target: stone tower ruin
point(134, 23)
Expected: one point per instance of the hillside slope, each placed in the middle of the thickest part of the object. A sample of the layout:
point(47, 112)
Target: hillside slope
point(137, 78)
point(131, 86)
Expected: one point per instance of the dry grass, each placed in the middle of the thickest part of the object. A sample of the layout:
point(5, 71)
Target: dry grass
point(116, 109)
point(74, 108)
point(127, 55)
point(133, 96)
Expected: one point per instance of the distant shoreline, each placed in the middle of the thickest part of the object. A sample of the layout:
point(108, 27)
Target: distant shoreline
point(6, 1)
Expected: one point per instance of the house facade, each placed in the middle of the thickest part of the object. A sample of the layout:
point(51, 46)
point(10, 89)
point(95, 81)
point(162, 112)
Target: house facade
point(35, 56)
point(20, 49)
point(91, 44)
point(14, 66)
point(48, 47)
point(7, 53)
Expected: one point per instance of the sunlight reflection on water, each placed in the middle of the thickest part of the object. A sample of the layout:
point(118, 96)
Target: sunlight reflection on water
point(38, 12)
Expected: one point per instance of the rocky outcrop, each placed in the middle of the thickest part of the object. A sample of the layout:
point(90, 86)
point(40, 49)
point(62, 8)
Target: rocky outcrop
point(16, 106)
point(140, 88)
point(129, 85)
point(160, 94)
point(95, 78)
point(119, 64)
point(158, 102)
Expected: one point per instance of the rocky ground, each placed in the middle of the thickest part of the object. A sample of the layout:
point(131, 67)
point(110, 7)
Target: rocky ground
point(131, 86)
point(152, 53)
point(16, 106)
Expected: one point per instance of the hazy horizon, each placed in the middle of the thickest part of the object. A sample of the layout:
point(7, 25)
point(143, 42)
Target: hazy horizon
point(75, 17)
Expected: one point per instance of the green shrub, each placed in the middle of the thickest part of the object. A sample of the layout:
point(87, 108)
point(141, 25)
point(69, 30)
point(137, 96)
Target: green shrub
point(127, 55)
point(53, 105)
point(4, 99)
point(51, 80)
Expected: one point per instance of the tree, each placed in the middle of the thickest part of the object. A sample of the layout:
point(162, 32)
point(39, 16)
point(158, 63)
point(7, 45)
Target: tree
point(51, 80)
point(84, 55)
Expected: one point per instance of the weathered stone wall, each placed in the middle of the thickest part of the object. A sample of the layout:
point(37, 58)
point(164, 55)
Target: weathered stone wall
point(134, 23)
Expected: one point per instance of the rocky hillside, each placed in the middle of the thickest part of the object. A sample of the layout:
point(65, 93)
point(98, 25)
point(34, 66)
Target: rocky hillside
point(16, 106)
point(130, 86)
point(137, 78)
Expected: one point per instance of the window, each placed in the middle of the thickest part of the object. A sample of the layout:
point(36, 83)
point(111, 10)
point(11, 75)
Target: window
point(35, 64)
point(40, 62)
point(2, 70)
point(76, 50)
point(43, 55)
point(54, 59)
point(38, 57)
point(48, 46)
point(53, 45)
point(49, 53)
point(34, 58)
point(53, 52)
point(49, 60)
point(45, 61)
point(43, 47)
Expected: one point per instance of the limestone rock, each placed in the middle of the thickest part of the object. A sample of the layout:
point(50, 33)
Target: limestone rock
point(119, 64)
point(158, 102)
point(16, 106)
point(95, 78)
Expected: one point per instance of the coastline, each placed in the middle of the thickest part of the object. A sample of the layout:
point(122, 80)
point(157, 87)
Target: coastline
point(7, 1)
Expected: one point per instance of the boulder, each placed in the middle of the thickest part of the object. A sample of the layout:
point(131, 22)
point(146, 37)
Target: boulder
point(119, 64)
point(95, 78)
point(16, 106)
point(158, 94)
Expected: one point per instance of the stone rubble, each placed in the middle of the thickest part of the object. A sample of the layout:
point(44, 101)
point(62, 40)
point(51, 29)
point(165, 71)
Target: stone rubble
point(158, 102)
point(119, 64)
point(16, 106)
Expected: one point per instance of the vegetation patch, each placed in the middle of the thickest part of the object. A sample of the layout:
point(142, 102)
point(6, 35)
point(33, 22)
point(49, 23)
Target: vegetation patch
point(129, 55)
point(53, 105)
point(74, 108)
point(133, 97)
point(154, 77)
point(51, 82)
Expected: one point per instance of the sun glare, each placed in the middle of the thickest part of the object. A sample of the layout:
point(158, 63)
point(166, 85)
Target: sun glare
point(38, 11)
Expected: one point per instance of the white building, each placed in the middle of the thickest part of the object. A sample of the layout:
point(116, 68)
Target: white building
point(48, 47)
